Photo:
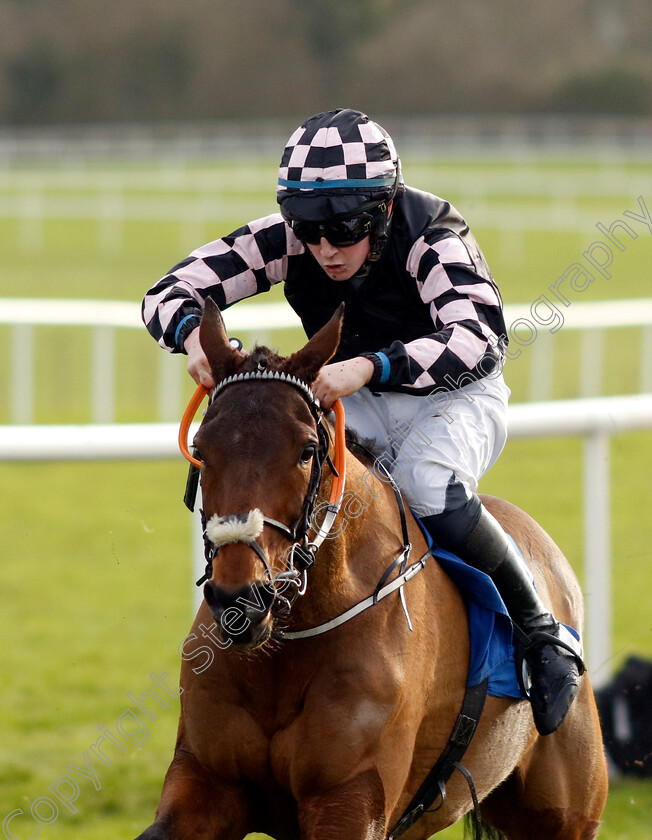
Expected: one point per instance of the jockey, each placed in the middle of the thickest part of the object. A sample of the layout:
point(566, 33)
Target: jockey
point(419, 365)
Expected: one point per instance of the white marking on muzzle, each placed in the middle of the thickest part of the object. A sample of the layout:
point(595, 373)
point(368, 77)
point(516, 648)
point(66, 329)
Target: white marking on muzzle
point(222, 530)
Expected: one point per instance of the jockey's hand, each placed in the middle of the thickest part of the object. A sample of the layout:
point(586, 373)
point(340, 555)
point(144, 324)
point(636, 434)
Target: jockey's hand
point(198, 366)
point(341, 379)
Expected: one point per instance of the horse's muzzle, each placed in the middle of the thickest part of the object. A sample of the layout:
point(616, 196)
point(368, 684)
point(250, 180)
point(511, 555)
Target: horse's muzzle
point(242, 616)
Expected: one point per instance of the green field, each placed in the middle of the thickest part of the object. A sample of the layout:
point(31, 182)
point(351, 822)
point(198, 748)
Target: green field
point(95, 576)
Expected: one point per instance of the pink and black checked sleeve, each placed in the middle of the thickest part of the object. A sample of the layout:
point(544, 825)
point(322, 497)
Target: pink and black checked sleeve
point(468, 333)
point(247, 262)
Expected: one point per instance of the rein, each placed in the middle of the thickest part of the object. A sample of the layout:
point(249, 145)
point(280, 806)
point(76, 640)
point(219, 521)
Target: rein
point(188, 416)
point(302, 550)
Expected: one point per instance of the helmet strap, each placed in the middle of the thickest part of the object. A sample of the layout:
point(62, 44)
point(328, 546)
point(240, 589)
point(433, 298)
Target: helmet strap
point(378, 239)
point(379, 235)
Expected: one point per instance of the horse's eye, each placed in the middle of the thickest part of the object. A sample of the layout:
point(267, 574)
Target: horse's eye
point(307, 453)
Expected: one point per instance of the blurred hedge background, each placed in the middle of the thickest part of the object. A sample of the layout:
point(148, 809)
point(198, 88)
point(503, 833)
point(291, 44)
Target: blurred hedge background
point(76, 61)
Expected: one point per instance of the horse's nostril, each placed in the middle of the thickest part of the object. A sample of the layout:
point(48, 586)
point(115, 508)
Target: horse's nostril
point(252, 602)
point(212, 596)
point(240, 615)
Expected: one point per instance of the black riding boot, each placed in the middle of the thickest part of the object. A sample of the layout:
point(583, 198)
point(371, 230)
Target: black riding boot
point(554, 670)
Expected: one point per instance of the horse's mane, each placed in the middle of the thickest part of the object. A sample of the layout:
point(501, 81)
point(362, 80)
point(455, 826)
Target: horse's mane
point(365, 450)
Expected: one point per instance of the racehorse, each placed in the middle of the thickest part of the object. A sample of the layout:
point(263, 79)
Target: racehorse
point(328, 736)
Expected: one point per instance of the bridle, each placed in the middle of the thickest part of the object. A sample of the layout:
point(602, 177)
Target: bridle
point(302, 550)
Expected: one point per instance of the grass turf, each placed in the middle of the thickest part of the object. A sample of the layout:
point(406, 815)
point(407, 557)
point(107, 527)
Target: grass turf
point(95, 576)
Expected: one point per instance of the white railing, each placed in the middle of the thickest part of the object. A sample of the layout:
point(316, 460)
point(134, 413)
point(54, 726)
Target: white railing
point(192, 198)
point(448, 136)
point(255, 321)
point(23, 315)
point(594, 420)
point(591, 319)
point(113, 211)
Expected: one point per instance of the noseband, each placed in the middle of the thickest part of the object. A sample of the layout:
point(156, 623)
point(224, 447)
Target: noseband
point(247, 527)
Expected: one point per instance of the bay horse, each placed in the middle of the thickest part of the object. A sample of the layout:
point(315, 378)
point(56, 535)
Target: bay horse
point(328, 736)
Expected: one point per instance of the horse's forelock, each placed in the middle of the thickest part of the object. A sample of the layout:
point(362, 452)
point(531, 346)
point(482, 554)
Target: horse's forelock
point(249, 400)
point(262, 358)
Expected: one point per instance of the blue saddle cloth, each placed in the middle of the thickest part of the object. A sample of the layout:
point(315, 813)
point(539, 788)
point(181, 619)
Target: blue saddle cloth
point(490, 627)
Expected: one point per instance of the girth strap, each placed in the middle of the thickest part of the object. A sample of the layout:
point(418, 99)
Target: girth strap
point(433, 786)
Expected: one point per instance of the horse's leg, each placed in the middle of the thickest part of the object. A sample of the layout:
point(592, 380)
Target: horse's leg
point(196, 806)
point(354, 810)
point(559, 791)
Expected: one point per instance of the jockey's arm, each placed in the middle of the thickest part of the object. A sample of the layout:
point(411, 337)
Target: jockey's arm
point(198, 366)
point(341, 379)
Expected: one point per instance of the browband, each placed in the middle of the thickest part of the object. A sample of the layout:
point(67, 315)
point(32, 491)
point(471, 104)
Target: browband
point(273, 375)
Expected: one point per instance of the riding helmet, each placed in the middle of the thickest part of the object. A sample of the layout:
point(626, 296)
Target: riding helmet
point(338, 164)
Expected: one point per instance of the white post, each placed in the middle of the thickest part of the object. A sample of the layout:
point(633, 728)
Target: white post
point(170, 387)
point(592, 362)
point(541, 368)
point(646, 361)
point(103, 373)
point(22, 374)
point(597, 552)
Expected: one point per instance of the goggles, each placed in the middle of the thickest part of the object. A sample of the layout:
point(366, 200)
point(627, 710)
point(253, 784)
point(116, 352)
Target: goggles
point(339, 232)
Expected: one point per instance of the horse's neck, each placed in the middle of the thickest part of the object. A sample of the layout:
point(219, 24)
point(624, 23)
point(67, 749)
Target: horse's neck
point(364, 540)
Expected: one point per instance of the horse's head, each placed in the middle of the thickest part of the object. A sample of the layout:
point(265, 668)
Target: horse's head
point(262, 447)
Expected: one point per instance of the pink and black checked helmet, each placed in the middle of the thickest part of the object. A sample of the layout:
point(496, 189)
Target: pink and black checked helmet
point(336, 166)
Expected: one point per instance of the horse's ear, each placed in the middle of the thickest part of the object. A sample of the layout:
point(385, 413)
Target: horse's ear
point(307, 362)
point(223, 359)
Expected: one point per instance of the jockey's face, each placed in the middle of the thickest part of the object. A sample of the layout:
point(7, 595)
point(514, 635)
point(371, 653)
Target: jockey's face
point(340, 263)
